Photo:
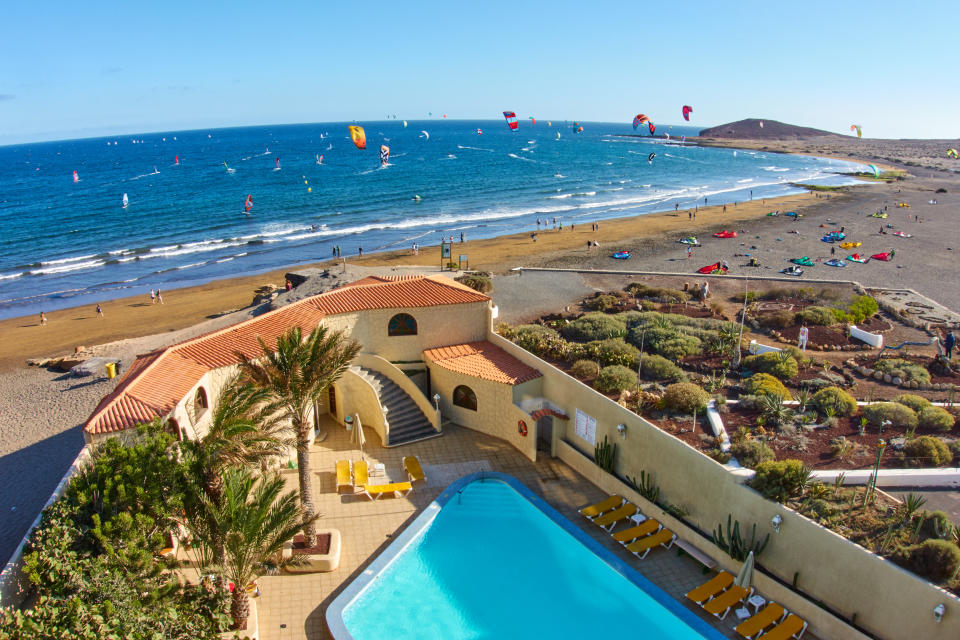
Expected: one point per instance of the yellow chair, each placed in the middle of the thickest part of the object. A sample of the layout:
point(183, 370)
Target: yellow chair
point(755, 624)
point(627, 536)
point(602, 507)
point(414, 470)
point(398, 489)
point(343, 475)
point(360, 473)
point(791, 628)
point(721, 605)
point(643, 546)
point(610, 519)
point(711, 588)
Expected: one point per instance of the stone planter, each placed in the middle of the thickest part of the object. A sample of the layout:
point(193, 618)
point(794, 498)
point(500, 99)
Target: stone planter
point(315, 563)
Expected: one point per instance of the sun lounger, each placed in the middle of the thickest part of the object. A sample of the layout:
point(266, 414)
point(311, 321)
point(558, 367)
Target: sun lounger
point(754, 625)
point(711, 588)
point(610, 519)
point(361, 473)
point(398, 489)
point(602, 507)
point(343, 475)
point(414, 470)
point(643, 546)
point(792, 627)
point(721, 605)
point(627, 536)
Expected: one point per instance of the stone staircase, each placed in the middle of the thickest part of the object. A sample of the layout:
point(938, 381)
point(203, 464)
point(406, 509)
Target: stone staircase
point(407, 422)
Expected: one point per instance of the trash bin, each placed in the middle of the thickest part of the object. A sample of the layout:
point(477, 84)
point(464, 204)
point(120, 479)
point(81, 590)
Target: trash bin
point(111, 370)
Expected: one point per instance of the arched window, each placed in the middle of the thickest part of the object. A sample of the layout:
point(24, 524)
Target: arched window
point(402, 324)
point(173, 428)
point(465, 397)
point(200, 403)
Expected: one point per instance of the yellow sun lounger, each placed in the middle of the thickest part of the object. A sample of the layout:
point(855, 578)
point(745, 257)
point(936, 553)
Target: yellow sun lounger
point(602, 507)
point(711, 588)
point(414, 470)
point(754, 625)
point(627, 536)
point(723, 603)
point(398, 489)
point(360, 473)
point(343, 475)
point(643, 546)
point(610, 519)
point(793, 627)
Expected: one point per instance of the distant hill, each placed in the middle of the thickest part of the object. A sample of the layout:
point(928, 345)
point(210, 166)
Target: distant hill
point(754, 129)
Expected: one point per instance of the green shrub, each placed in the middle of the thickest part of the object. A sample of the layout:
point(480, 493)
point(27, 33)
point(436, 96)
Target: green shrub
point(614, 351)
point(766, 384)
point(477, 282)
point(861, 308)
point(917, 403)
point(842, 402)
point(542, 341)
point(903, 369)
point(584, 369)
point(936, 524)
point(750, 453)
point(898, 415)
point(594, 326)
point(817, 315)
point(657, 367)
point(668, 342)
point(777, 319)
point(936, 419)
point(779, 364)
point(614, 379)
point(781, 480)
point(955, 450)
point(660, 294)
point(601, 302)
point(685, 397)
point(935, 560)
point(926, 451)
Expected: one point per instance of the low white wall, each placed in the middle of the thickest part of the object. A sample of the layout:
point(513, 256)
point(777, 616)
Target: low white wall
point(949, 477)
point(757, 348)
point(873, 339)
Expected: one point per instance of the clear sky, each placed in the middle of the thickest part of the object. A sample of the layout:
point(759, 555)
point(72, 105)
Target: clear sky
point(80, 69)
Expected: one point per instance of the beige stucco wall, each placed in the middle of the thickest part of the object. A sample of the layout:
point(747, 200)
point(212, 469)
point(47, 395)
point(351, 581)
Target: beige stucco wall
point(888, 601)
point(356, 396)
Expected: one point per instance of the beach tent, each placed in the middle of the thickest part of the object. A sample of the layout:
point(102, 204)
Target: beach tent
point(725, 234)
point(804, 261)
point(792, 271)
point(886, 256)
point(856, 257)
point(712, 268)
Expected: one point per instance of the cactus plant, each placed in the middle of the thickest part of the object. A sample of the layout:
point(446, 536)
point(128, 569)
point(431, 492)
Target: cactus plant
point(736, 546)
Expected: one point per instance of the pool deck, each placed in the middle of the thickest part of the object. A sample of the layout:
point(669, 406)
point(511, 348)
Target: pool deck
point(294, 606)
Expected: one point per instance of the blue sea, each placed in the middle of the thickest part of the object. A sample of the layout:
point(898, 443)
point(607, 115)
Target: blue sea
point(65, 243)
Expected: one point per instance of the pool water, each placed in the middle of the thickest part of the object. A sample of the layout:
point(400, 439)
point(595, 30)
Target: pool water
point(497, 562)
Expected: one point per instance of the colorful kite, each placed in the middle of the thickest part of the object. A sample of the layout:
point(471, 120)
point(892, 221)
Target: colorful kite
point(639, 119)
point(384, 155)
point(951, 153)
point(856, 127)
point(511, 119)
point(359, 137)
point(687, 110)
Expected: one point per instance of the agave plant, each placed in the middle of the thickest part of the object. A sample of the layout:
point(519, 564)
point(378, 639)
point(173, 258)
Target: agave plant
point(773, 409)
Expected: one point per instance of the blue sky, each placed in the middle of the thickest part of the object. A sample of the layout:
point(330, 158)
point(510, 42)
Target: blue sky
point(74, 69)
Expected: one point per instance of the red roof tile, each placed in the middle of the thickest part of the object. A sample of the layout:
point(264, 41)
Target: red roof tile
point(482, 360)
point(539, 413)
point(157, 381)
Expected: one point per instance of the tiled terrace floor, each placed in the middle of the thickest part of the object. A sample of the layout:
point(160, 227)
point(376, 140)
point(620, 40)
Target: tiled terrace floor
point(294, 606)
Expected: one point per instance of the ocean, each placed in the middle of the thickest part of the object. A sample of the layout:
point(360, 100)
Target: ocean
point(66, 242)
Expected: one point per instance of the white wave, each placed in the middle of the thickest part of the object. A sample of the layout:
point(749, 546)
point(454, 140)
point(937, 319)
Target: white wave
point(45, 263)
point(90, 264)
point(531, 142)
point(10, 276)
point(745, 180)
point(775, 168)
point(462, 146)
point(192, 264)
point(561, 196)
point(559, 175)
point(515, 156)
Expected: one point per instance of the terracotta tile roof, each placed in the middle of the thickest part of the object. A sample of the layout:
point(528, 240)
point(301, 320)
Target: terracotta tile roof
point(157, 381)
point(482, 360)
point(539, 413)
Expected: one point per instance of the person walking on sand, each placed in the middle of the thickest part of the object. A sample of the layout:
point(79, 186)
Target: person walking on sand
point(153, 297)
point(159, 297)
point(360, 251)
point(99, 312)
point(690, 215)
point(689, 251)
point(802, 339)
point(43, 319)
point(949, 343)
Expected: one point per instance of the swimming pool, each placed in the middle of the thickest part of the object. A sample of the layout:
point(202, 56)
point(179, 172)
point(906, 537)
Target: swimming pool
point(490, 559)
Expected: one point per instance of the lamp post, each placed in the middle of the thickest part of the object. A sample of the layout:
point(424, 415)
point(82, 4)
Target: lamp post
point(436, 404)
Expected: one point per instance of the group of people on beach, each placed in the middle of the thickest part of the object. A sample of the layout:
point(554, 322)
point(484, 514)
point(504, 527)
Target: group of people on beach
point(155, 297)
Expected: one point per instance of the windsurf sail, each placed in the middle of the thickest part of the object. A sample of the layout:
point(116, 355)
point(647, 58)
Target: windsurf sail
point(404, 124)
point(384, 155)
point(76, 178)
point(320, 159)
point(558, 135)
point(126, 201)
point(511, 119)
point(278, 162)
point(177, 161)
point(248, 204)
point(359, 137)
point(479, 132)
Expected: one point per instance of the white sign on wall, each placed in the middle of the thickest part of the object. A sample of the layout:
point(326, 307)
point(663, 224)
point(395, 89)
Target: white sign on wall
point(585, 427)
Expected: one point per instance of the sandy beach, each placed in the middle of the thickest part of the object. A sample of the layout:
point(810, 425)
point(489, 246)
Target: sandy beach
point(39, 437)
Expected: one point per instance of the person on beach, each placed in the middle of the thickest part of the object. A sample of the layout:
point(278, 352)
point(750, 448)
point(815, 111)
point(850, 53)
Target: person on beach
point(533, 237)
point(949, 343)
point(676, 206)
point(538, 223)
point(802, 339)
point(704, 290)
point(689, 251)
point(288, 285)
point(334, 251)
point(159, 297)
point(589, 244)
point(689, 215)
point(751, 194)
point(560, 226)
point(360, 250)
point(463, 237)
point(99, 312)
point(724, 208)
point(43, 319)
point(153, 297)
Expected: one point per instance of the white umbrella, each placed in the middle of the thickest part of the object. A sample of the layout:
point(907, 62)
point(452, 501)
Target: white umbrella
point(356, 437)
point(746, 573)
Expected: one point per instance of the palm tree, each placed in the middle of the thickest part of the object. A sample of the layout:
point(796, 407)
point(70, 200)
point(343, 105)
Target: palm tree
point(256, 519)
point(296, 374)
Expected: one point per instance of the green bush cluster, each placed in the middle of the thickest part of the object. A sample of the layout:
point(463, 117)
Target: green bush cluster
point(614, 379)
point(750, 453)
point(542, 341)
point(917, 403)
point(779, 364)
point(766, 384)
point(955, 452)
point(613, 351)
point(601, 302)
point(842, 402)
point(861, 308)
point(668, 342)
point(904, 369)
point(594, 326)
point(477, 282)
point(899, 416)
point(935, 560)
point(584, 369)
point(815, 315)
point(660, 294)
point(936, 419)
point(777, 320)
point(657, 367)
point(781, 480)
point(685, 397)
point(926, 451)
